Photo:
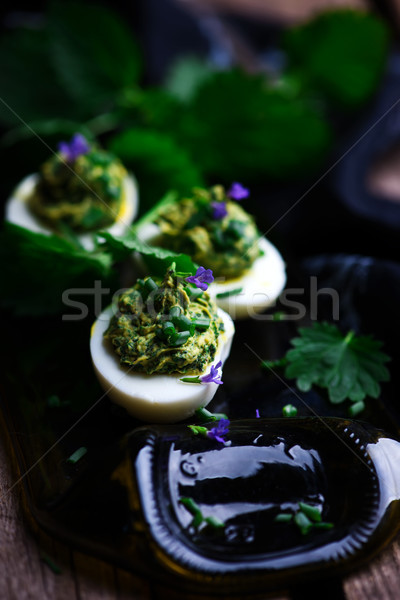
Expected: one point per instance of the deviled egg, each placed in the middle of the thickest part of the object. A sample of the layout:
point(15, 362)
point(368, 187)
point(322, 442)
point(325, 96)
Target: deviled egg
point(158, 350)
point(217, 232)
point(81, 189)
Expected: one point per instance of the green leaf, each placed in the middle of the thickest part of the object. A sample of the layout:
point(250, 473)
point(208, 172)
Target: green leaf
point(185, 75)
point(158, 163)
point(341, 53)
point(29, 87)
point(236, 123)
point(348, 367)
point(93, 51)
point(37, 269)
point(156, 259)
point(45, 128)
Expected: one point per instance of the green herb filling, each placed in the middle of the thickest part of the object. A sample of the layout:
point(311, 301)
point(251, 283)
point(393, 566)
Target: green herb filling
point(83, 196)
point(228, 246)
point(161, 327)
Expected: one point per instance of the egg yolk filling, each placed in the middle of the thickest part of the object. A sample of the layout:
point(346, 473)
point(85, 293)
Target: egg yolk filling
point(214, 230)
point(83, 195)
point(165, 326)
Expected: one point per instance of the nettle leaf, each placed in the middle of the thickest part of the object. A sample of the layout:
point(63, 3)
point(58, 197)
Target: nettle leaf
point(158, 163)
point(342, 53)
point(157, 259)
point(29, 83)
point(236, 123)
point(349, 367)
point(37, 269)
point(185, 75)
point(93, 51)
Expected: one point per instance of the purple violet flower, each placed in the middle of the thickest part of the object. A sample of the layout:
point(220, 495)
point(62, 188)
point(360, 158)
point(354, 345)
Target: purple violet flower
point(237, 191)
point(213, 376)
point(219, 210)
point(202, 278)
point(76, 147)
point(257, 413)
point(221, 429)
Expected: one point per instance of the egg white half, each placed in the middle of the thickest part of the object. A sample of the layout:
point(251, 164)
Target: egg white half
point(18, 212)
point(260, 285)
point(152, 398)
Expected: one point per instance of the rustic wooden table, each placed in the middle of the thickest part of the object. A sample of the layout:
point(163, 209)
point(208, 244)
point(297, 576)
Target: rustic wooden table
point(25, 574)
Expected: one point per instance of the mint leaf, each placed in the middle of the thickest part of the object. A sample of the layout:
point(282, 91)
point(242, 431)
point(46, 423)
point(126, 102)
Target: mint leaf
point(93, 52)
point(158, 163)
point(156, 259)
point(37, 269)
point(340, 53)
point(349, 367)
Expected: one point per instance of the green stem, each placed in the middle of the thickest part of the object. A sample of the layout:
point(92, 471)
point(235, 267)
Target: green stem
point(349, 337)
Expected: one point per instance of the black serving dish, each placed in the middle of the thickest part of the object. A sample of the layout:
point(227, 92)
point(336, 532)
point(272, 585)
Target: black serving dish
point(120, 501)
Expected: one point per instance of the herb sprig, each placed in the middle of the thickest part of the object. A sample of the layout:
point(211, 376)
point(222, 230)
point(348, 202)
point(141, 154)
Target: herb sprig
point(349, 367)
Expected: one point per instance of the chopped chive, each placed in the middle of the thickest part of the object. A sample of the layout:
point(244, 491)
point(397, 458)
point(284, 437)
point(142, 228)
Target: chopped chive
point(274, 364)
point(283, 518)
point(201, 323)
point(181, 338)
point(190, 504)
point(205, 415)
point(323, 525)
point(303, 522)
point(175, 311)
point(230, 293)
point(312, 512)
point(356, 408)
point(169, 333)
point(278, 316)
point(289, 410)
point(214, 522)
point(77, 455)
point(195, 379)
point(198, 429)
point(168, 328)
point(197, 520)
point(167, 325)
point(182, 323)
point(150, 285)
point(194, 292)
point(50, 563)
point(198, 517)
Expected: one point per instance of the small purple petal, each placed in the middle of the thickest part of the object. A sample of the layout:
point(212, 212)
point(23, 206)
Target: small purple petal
point(257, 413)
point(201, 279)
point(237, 191)
point(63, 148)
point(75, 148)
point(213, 376)
point(220, 430)
point(219, 210)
